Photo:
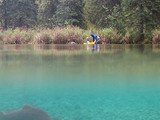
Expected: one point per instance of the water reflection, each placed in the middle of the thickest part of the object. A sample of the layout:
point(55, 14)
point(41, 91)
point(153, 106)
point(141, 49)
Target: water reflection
point(77, 49)
point(93, 48)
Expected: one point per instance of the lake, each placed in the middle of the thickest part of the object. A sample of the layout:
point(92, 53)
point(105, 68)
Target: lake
point(80, 82)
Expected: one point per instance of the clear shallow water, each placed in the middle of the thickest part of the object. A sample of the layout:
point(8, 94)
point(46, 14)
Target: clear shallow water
point(113, 82)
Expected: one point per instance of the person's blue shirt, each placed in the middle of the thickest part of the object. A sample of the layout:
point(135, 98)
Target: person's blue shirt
point(94, 37)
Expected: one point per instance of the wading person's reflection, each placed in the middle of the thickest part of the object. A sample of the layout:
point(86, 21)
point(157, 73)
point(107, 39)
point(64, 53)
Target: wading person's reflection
point(95, 48)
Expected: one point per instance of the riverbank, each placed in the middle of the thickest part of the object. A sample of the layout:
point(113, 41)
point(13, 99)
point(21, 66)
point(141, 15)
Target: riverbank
point(72, 34)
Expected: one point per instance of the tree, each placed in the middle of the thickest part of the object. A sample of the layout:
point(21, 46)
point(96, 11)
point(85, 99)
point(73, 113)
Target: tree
point(18, 13)
point(5, 10)
point(25, 13)
point(70, 12)
point(142, 15)
point(46, 12)
point(96, 12)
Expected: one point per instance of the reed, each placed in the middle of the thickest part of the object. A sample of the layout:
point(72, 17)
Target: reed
point(71, 34)
point(67, 35)
point(156, 37)
point(42, 38)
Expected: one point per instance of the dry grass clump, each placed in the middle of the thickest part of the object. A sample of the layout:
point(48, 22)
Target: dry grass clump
point(5, 37)
point(17, 36)
point(59, 36)
point(75, 35)
point(67, 35)
point(27, 36)
point(156, 37)
point(42, 38)
point(111, 36)
point(17, 39)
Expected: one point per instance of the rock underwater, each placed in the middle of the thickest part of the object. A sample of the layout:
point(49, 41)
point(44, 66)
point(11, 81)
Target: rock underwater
point(26, 113)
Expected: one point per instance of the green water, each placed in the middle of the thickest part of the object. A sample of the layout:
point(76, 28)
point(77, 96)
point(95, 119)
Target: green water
point(113, 82)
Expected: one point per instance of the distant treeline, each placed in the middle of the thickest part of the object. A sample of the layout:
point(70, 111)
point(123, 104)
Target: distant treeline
point(138, 17)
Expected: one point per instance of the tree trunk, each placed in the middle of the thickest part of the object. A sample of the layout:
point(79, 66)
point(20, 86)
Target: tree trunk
point(141, 24)
point(5, 24)
point(5, 16)
point(20, 22)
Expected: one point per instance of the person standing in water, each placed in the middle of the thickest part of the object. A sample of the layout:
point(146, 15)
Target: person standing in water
point(96, 38)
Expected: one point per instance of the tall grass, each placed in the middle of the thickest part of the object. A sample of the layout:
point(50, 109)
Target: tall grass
point(156, 37)
point(16, 36)
point(42, 37)
point(67, 35)
point(70, 34)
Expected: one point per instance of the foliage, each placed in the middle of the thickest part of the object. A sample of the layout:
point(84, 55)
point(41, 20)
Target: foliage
point(18, 13)
point(70, 12)
point(46, 12)
point(94, 13)
point(142, 15)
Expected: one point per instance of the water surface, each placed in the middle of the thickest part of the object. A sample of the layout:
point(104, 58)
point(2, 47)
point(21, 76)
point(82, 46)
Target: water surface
point(109, 82)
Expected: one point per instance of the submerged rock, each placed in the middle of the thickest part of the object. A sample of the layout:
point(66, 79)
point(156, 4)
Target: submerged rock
point(26, 113)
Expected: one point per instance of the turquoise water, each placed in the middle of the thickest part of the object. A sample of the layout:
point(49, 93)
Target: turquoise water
point(112, 82)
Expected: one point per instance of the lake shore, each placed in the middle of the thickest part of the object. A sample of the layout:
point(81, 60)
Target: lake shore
point(72, 34)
